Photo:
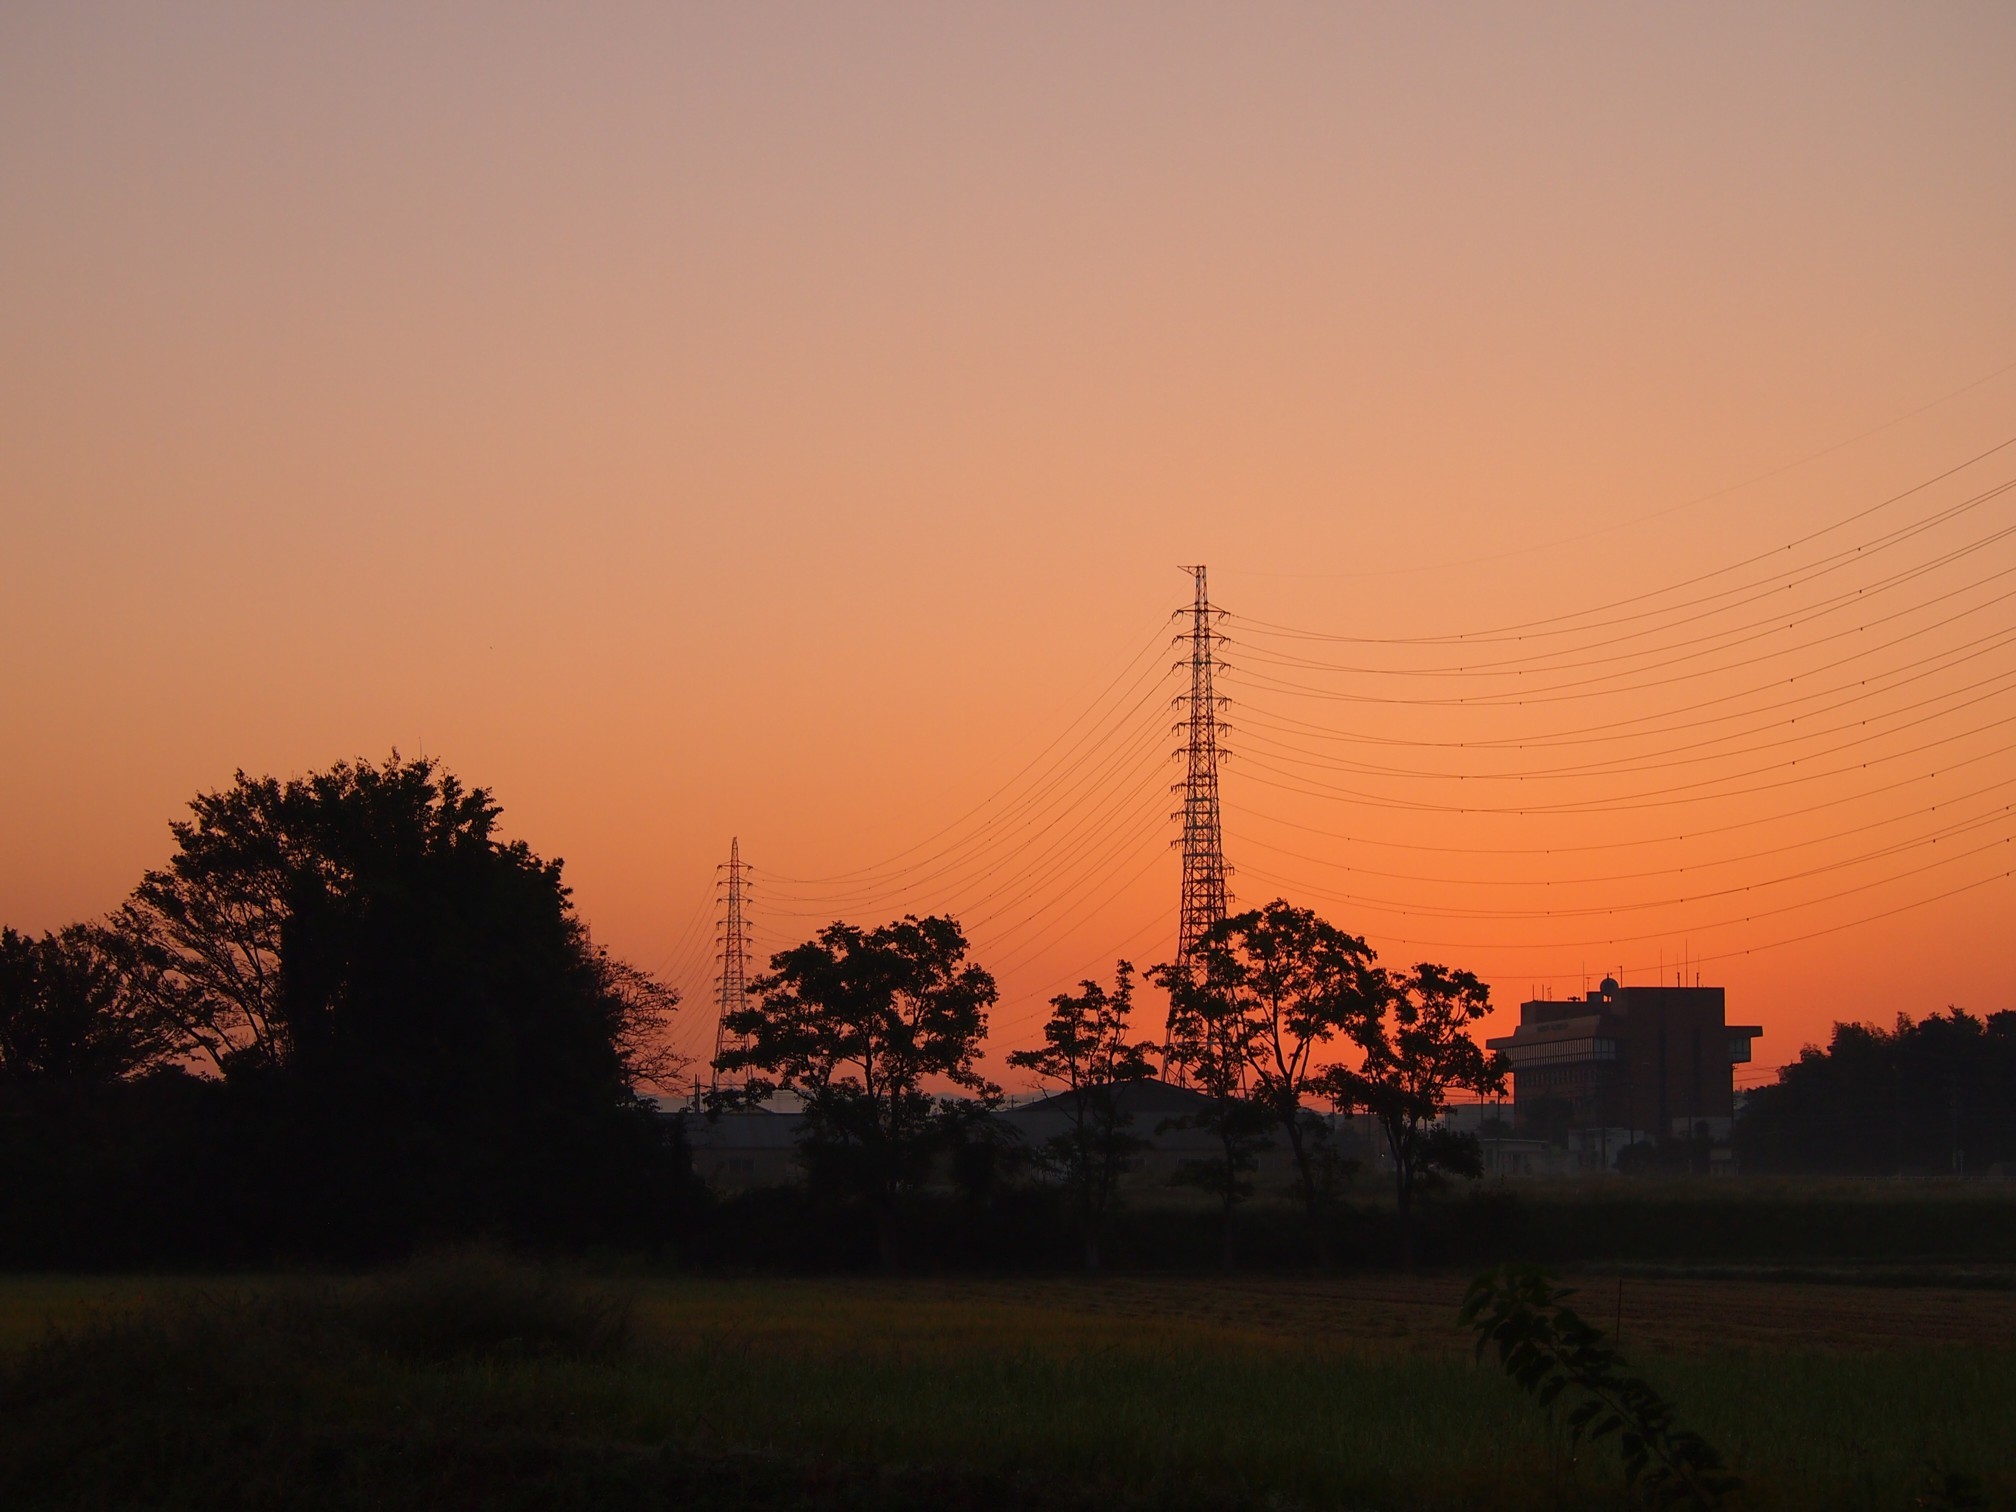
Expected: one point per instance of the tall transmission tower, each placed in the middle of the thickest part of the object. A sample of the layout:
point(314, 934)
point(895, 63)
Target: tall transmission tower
point(733, 935)
point(1202, 840)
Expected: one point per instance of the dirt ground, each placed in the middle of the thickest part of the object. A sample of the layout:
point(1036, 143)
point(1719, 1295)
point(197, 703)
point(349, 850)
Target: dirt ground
point(1648, 1314)
point(1660, 1315)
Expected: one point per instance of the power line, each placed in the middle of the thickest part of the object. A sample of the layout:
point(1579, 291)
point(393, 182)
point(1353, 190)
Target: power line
point(2001, 815)
point(1695, 502)
point(1008, 833)
point(1653, 761)
point(1763, 590)
point(1660, 871)
point(1857, 690)
point(1999, 843)
point(1537, 625)
point(1589, 687)
point(1033, 762)
point(1681, 716)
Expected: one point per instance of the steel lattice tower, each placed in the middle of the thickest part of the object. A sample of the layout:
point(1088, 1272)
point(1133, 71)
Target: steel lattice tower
point(1202, 841)
point(734, 955)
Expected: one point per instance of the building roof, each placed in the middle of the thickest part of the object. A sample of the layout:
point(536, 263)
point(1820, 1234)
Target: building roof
point(1150, 1097)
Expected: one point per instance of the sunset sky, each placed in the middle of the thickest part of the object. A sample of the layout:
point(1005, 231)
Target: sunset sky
point(784, 422)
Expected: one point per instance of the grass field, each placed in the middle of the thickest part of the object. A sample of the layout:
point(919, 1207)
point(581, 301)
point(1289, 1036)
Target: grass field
point(1246, 1392)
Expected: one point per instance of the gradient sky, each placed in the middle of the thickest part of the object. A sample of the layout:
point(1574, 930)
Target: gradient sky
point(782, 421)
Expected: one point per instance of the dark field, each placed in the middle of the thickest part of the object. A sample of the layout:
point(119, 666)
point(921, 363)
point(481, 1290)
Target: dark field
point(473, 1383)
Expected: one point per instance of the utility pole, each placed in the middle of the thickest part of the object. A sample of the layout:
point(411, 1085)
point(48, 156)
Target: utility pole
point(1202, 841)
point(733, 935)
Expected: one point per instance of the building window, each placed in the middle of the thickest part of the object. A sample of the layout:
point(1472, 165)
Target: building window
point(1560, 1052)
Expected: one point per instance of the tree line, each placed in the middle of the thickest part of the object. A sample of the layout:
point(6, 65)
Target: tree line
point(347, 1017)
point(861, 1025)
point(1934, 1097)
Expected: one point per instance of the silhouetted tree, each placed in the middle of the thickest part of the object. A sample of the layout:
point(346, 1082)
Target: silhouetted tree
point(642, 1007)
point(202, 937)
point(1417, 1050)
point(66, 1017)
point(1087, 1052)
point(1295, 984)
point(1937, 1095)
point(409, 999)
point(856, 1023)
point(102, 1155)
point(1211, 1045)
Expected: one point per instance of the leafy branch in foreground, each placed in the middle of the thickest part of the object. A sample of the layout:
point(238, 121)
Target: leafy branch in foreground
point(1548, 1349)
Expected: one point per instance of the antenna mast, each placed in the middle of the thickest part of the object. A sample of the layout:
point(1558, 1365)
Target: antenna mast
point(732, 992)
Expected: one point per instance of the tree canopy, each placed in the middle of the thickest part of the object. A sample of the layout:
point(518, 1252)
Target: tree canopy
point(1089, 1052)
point(413, 1032)
point(860, 1024)
point(66, 1016)
point(1418, 1049)
point(1294, 985)
point(1934, 1096)
point(368, 924)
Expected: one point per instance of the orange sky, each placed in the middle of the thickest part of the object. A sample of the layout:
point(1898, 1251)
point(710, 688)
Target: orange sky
point(783, 421)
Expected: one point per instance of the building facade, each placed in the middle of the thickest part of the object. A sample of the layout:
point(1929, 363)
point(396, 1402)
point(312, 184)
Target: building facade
point(1625, 1065)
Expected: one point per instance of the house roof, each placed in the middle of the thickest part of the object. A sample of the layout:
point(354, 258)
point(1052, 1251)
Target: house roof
point(1148, 1097)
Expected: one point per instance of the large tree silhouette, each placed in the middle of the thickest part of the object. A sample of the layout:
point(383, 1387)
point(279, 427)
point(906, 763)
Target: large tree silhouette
point(1294, 984)
point(1418, 1049)
point(407, 999)
point(858, 1023)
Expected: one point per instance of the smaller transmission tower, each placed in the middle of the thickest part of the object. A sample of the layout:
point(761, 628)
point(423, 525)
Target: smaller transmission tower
point(733, 935)
point(1202, 841)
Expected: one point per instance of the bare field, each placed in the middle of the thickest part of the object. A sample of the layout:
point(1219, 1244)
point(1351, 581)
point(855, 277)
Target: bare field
point(1410, 1314)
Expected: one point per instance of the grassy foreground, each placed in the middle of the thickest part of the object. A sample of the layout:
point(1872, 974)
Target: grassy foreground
point(472, 1383)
